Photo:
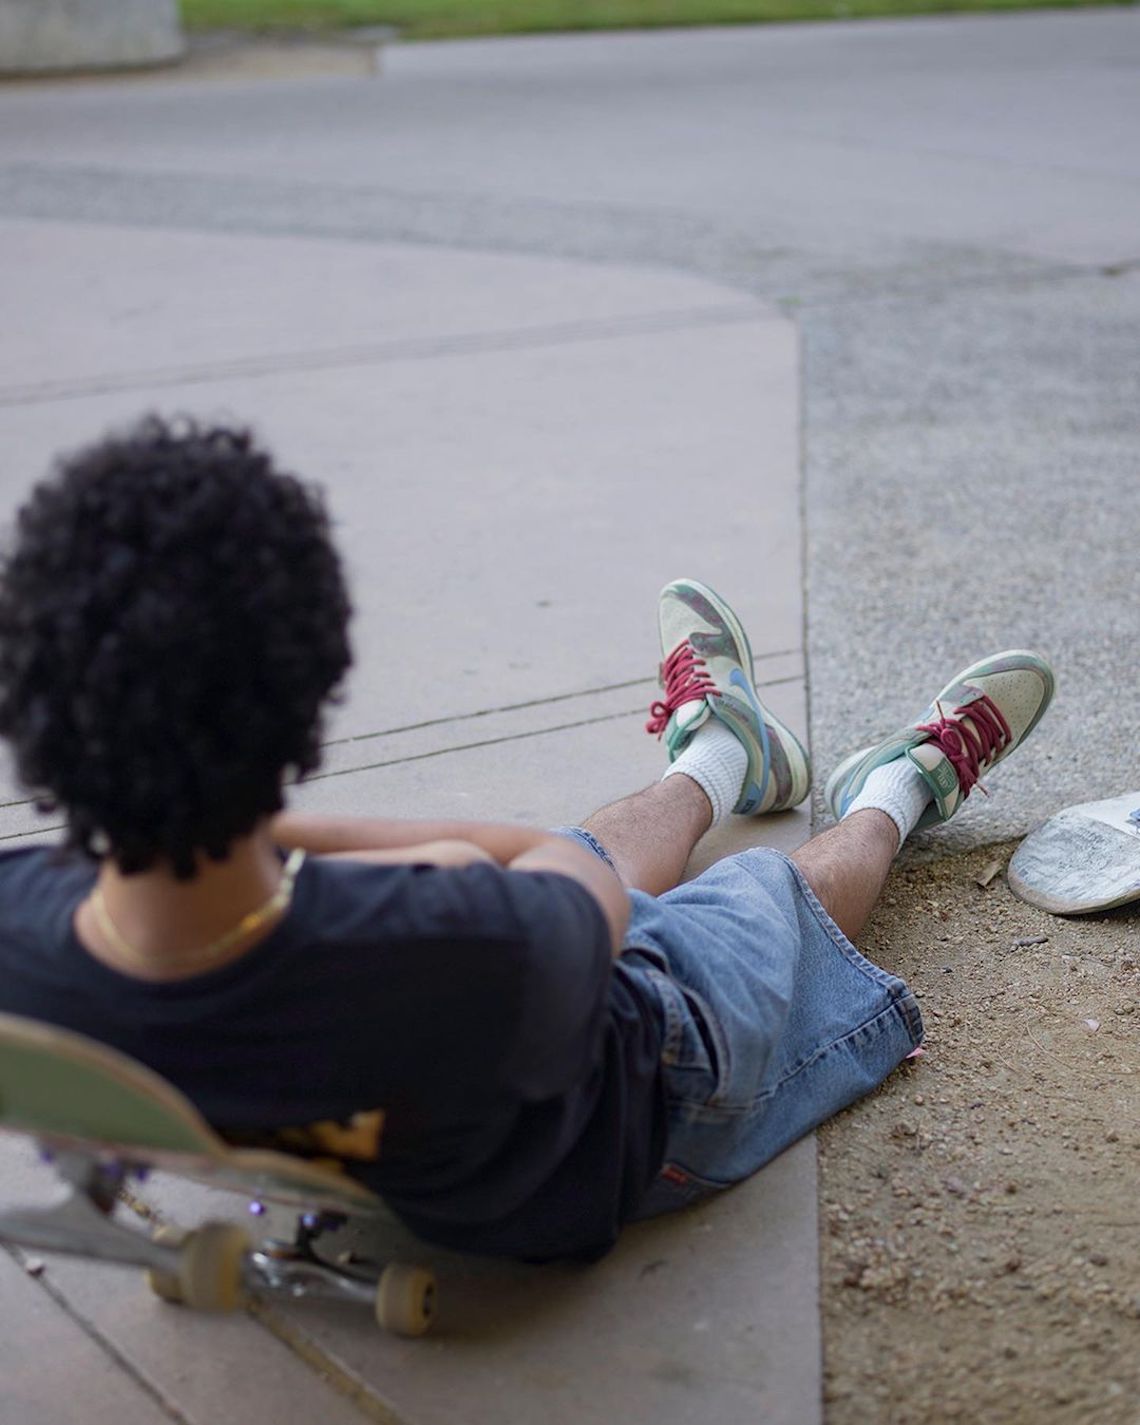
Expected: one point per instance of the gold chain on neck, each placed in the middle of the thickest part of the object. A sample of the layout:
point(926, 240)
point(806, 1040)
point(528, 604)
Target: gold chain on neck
point(280, 900)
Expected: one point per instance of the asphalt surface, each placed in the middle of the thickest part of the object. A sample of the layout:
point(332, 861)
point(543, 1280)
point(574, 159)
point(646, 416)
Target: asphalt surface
point(972, 486)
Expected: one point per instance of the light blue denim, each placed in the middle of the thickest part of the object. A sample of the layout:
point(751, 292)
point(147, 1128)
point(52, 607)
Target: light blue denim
point(771, 1020)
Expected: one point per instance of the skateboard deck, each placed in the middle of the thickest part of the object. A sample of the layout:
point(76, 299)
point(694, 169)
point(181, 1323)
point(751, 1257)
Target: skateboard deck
point(105, 1120)
point(69, 1092)
point(1084, 859)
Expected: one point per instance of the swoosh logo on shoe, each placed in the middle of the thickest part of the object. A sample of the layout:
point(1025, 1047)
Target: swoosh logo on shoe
point(738, 680)
point(716, 645)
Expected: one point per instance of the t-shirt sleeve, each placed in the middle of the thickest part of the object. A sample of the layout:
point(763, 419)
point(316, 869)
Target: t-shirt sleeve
point(567, 966)
point(550, 944)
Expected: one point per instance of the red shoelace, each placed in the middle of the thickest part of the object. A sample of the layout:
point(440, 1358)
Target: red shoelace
point(684, 681)
point(970, 746)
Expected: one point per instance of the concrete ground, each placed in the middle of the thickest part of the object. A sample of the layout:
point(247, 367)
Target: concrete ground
point(546, 316)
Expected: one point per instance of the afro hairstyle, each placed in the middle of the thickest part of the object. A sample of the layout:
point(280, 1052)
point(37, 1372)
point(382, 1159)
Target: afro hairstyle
point(173, 620)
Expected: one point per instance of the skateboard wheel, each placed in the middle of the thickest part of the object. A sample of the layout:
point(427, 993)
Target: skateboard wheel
point(405, 1299)
point(210, 1267)
point(166, 1284)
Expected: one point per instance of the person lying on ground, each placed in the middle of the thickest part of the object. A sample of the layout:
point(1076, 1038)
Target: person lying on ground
point(521, 1039)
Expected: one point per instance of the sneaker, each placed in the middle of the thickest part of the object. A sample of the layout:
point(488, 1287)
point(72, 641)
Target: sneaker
point(707, 672)
point(973, 723)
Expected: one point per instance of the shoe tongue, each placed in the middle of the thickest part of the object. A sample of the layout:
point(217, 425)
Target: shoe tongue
point(690, 715)
point(937, 771)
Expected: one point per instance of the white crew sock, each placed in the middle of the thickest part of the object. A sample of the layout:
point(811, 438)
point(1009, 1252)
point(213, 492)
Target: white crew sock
point(716, 760)
point(899, 789)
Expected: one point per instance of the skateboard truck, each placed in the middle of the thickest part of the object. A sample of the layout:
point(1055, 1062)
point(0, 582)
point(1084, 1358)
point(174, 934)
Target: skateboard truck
point(83, 1223)
point(297, 1268)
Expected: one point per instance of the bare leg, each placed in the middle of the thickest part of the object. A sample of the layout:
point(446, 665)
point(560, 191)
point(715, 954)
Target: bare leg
point(847, 865)
point(651, 834)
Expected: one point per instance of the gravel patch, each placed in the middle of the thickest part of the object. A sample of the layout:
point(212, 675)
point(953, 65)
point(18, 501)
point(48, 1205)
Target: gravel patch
point(980, 1247)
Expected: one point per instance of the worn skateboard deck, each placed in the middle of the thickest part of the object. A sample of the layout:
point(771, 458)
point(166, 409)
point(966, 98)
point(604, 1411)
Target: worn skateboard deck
point(69, 1092)
point(105, 1120)
point(1084, 859)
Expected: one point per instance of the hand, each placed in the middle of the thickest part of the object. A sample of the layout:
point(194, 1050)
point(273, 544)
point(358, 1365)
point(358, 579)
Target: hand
point(449, 852)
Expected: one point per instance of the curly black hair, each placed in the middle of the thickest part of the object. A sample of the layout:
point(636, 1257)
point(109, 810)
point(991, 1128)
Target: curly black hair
point(173, 619)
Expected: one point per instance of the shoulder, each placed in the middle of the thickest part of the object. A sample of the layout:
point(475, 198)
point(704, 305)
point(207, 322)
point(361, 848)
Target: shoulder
point(47, 870)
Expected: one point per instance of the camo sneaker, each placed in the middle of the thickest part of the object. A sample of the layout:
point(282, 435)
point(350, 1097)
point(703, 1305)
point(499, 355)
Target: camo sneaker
point(975, 721)
point(707, 672)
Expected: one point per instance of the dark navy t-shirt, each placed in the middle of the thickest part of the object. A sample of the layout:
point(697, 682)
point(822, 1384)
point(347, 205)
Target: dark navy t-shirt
point(461, 1041)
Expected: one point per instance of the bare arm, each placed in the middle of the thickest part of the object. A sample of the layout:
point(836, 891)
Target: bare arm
point(335, 835)
point(456, 843)
point(423, 853)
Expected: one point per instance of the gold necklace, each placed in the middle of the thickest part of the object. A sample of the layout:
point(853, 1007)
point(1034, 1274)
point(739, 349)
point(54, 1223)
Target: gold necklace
point(251, 921)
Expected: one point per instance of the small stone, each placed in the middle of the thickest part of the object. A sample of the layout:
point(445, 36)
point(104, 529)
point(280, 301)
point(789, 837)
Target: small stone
point(34, 1266)
point(920, 1099)
point(1112, 1136)
point(1098, 1259)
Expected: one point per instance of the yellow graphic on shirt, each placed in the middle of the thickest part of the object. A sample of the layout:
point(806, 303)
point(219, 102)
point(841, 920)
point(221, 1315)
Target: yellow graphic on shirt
point(359, 1139)
point(326, 1141)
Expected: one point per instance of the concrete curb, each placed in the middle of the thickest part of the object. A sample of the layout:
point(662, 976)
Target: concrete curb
point(66, 36)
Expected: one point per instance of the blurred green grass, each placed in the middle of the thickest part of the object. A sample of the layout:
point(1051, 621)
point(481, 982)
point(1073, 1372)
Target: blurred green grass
point(439, 19)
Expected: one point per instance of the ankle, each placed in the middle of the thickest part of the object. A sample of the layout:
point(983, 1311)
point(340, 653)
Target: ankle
point(897, 790)
point(716, 762)
point(686, 796)
point(873, 821)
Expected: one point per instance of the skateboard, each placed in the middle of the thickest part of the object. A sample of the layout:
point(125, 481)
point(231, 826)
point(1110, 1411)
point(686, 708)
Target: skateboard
point(104, 1122)
point(1084, 859)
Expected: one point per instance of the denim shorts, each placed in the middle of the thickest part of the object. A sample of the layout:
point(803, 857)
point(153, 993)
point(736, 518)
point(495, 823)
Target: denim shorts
point(770, 1019)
